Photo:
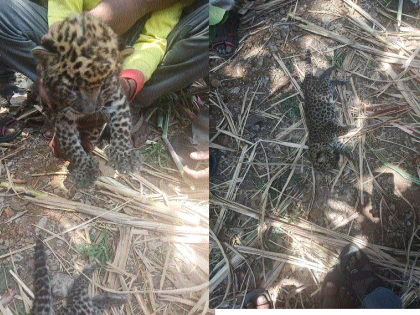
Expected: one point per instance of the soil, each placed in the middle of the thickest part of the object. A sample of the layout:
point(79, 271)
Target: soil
point(382, 208)
point(28, 162)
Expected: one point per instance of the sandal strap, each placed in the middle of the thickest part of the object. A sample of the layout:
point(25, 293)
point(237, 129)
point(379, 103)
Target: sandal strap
point(223, 40)
point(363, 272)
point(3, 124)
point(227, 33)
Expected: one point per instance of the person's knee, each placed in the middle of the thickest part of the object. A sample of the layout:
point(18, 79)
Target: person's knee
point(194, 24)
point(16, 12)
point(6, 8)
point(11, 9)
point(200, 22)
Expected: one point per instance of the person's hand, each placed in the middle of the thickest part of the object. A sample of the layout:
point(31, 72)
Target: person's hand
point(201, 174)
point(129, 87)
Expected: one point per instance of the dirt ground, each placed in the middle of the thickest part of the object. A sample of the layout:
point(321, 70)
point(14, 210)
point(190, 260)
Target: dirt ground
point(258, 135)
point(148, 231)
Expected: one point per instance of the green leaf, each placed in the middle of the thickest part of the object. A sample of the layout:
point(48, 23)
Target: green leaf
point(160, 118)
point(215, 15)
point(400, 171)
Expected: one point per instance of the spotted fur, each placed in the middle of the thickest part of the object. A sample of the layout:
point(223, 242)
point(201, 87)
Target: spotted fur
point(81, 62)
point(322, 120)
point(42, 290)
point(78, 300)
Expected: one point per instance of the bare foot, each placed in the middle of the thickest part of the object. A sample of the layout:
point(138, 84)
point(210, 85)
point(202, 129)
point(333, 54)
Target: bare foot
point(257, 299)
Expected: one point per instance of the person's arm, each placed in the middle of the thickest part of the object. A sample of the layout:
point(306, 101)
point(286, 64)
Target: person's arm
point(122, 14)
point(150, 47)
point(119, 14)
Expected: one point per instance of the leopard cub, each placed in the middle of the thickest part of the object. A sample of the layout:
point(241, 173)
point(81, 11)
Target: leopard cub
point(78, 300)
point(80, 63)
point(322, 119)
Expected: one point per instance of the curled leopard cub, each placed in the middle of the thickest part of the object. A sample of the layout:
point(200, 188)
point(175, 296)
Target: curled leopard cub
point(322, 120)
point(78, 300)
point(80, 65)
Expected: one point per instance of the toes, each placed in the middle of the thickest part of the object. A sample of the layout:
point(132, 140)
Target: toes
point(85, 175)
point(262, 302)
point(125, 161)
point(221, 49)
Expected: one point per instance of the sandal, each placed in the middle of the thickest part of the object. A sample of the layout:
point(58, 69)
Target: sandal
point(336, 291)
point(47, 130)
point(257, 299)
point(226, 40)
point(10, 128)
point(7, 93)
point(357, 269)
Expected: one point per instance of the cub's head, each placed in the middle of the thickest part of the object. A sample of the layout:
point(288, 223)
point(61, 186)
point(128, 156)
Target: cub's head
point(80, 59)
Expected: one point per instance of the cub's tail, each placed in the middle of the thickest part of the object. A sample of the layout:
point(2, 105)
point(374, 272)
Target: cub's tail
point(42, 290)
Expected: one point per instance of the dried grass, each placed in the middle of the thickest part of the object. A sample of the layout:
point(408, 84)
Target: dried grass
point(239, 236)
point(158, 237)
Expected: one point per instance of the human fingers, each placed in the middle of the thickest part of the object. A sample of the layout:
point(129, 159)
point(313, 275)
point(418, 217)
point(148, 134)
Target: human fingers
point(202, 174)
point(200, 155)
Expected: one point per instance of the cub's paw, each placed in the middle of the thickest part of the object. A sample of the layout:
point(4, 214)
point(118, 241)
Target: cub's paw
point(85, 174)
point(123, 160)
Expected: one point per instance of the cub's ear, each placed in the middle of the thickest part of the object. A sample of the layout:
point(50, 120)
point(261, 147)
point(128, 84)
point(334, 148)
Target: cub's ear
point(46, 50)
point(42, 54)
point(125, 52)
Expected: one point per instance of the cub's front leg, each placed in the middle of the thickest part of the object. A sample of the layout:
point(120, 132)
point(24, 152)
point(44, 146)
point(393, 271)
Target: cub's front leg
point(84, 168)
point(120, 152)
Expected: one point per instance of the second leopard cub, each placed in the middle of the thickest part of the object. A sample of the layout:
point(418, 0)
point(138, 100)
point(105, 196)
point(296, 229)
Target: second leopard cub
point(80, 66)
point(78, 299)
point(322, 120)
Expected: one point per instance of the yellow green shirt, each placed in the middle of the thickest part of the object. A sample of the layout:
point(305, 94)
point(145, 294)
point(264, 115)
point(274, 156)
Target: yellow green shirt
point(149, 48)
